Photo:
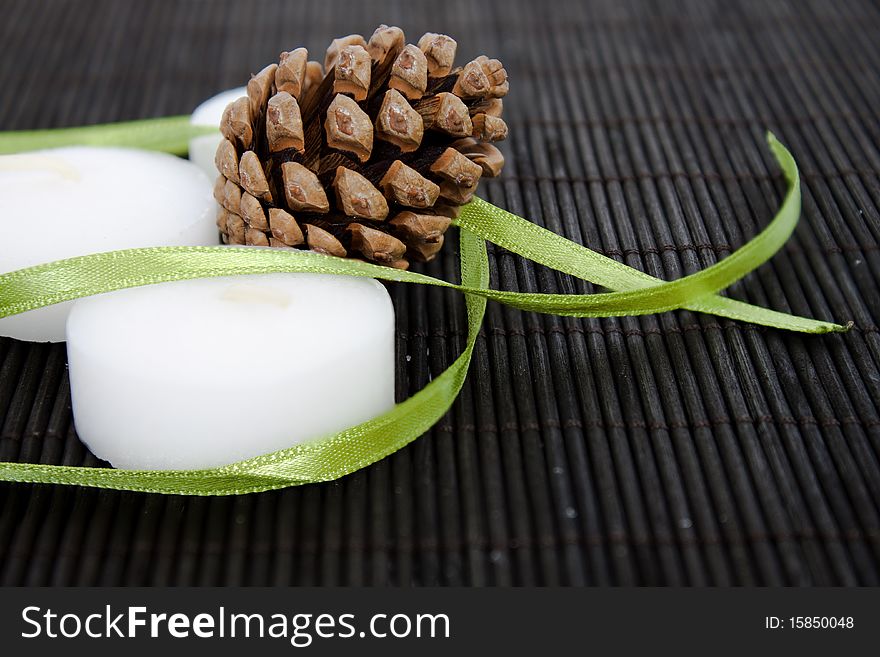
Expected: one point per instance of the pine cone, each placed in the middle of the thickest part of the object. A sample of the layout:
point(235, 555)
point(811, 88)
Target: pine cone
point(370, 160)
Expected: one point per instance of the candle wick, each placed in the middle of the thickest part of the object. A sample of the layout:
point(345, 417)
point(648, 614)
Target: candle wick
point(47, 163)
point(246, 293)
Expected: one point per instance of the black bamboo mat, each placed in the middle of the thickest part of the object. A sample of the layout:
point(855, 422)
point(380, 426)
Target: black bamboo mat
point(670, 449)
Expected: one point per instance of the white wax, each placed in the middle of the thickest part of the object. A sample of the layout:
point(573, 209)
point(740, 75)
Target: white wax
point(67, 202)
point(202, 148)
point(201, 373)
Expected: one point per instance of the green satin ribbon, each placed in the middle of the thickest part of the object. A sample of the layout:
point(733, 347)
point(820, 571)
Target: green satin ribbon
point(329, 458)
point(170, 134)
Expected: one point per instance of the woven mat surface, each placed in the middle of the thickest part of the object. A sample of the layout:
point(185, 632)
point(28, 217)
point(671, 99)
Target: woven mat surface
point(670, 449)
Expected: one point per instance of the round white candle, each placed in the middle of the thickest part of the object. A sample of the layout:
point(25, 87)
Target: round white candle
point(200, 373)
point(67, 202)
point(203, 147)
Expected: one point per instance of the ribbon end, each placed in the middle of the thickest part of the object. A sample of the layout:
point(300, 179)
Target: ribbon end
point(834, 328)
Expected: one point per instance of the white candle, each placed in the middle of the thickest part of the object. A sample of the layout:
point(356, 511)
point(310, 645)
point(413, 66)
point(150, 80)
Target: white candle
point(203, 148)
point(201, 373)
point(67, 202)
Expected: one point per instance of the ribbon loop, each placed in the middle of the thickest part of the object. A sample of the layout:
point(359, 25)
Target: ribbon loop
point(634, 292)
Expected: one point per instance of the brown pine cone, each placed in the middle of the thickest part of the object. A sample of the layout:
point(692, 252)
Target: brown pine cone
point(370, 160)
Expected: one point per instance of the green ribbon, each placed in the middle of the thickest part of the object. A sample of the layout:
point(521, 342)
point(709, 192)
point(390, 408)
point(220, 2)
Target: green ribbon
point(170, 134)
point(634, 293)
